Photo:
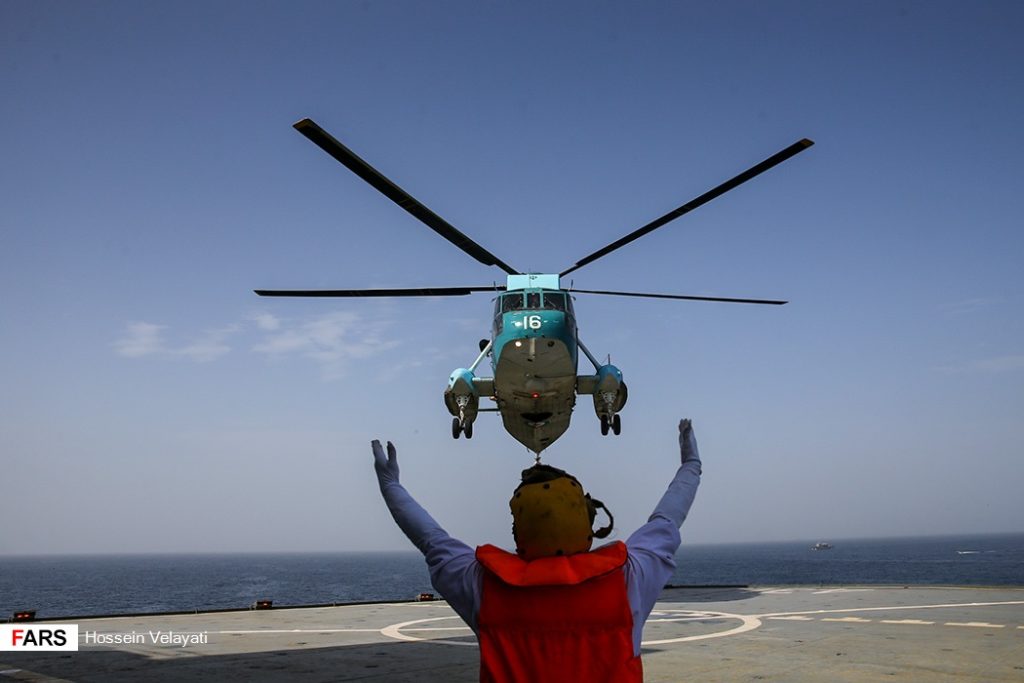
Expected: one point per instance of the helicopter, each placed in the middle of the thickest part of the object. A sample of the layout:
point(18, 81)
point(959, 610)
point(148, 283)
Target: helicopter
point(534, 344)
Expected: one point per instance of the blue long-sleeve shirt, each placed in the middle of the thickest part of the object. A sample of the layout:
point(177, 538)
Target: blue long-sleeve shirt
point(457, 575)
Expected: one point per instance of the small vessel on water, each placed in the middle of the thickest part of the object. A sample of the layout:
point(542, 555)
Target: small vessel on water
point(821, 546)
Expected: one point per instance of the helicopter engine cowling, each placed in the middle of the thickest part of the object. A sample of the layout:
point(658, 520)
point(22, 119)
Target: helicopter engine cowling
point(461, 397)
point(609, 391)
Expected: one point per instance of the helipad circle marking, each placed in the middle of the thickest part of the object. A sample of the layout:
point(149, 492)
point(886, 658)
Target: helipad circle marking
point(395, 631)
point(749, 623)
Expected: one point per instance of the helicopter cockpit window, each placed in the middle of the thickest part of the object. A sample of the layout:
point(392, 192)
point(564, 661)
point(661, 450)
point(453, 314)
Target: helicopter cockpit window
point(533, 300)
point(511, 302)
point(554, 301)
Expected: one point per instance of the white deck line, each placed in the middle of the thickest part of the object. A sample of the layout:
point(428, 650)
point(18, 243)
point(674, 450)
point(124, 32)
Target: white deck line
point(883, 609)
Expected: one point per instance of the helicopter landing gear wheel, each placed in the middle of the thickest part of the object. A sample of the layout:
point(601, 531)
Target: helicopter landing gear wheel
point(456, 428)
point(604, 425)
point(467, 429)
point(616, 425)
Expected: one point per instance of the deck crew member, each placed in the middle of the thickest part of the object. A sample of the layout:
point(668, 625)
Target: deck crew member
point(554, 610)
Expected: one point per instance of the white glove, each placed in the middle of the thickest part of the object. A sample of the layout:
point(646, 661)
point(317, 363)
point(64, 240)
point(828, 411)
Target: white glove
point(386, 466)
point(687, 442)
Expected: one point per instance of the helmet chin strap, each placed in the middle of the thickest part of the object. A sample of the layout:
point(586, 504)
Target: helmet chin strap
point(605, 530)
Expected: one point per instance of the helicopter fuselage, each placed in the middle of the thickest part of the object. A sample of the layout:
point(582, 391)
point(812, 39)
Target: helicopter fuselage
point(534, 356)
point(534, 351)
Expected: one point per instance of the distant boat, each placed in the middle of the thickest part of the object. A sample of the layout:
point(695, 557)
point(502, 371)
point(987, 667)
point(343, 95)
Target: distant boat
point(821, 546)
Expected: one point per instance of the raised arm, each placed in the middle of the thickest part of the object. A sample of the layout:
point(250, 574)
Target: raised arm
point(675, 504)
point(414, 521)
point(454, 571)
point(660, 536)
point(652, 547)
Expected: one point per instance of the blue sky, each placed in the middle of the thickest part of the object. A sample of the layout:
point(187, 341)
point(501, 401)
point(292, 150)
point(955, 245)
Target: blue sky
point(150, 402)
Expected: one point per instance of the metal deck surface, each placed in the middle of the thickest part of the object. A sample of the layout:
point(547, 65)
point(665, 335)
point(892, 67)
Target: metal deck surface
point(851, 633)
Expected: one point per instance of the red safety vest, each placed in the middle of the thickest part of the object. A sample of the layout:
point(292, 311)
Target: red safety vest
point(556, 619)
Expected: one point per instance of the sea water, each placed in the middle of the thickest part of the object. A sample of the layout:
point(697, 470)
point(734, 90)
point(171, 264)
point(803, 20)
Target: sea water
point(123, 584)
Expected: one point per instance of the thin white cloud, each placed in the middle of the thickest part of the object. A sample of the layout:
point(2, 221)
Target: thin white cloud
point(140, 339)
point(965, 306)
point(999, 364)
point(147, 339)
point(994, 365)
point(333, 340)
point(266, 321)
point(209, 347)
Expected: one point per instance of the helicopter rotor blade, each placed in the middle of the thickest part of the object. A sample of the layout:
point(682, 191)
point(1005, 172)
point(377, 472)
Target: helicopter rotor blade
point(682, 296)
point(751, 172)
point(412, 291)
point(348, 158)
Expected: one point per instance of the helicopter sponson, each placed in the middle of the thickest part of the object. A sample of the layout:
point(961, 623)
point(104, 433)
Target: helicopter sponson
point(610, 394)
point(462, 398)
